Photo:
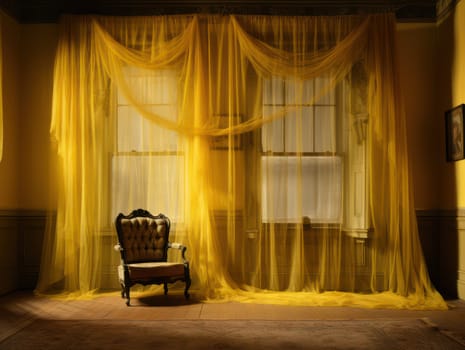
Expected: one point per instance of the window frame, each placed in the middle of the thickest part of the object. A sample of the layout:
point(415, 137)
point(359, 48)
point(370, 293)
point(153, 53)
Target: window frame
point(118, 153)
point(338, 153)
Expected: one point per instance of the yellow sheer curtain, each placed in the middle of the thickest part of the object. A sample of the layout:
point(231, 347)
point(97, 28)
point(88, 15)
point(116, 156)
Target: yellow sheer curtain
point(275, 144)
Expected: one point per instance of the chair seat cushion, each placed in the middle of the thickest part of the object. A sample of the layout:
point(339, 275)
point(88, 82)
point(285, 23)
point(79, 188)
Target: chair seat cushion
point(151, 270)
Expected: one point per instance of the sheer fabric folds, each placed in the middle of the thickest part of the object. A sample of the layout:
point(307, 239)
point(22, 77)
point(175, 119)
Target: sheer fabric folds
point(276, 145)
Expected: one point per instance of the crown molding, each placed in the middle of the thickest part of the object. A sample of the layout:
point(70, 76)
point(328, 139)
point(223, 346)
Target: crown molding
point(46, 11)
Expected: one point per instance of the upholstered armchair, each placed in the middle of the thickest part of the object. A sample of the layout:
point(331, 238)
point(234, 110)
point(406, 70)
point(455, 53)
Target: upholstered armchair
point(143, 241)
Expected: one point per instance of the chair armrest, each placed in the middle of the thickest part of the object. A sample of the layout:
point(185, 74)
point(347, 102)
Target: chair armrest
point(119, 249)
point(180, 247)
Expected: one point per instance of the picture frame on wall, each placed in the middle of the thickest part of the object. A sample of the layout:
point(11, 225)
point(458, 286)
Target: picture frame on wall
point(455, 133)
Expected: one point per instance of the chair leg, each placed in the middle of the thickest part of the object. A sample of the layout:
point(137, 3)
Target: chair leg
point(165, 287)
point(186, 290)
point(187, 278)
point(128, 301)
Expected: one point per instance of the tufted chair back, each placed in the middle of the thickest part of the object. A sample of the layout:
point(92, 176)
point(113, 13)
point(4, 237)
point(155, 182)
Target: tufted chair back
point(143, 244)
point(144, 238)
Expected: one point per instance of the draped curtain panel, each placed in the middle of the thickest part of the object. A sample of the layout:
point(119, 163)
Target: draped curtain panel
point(275, 144)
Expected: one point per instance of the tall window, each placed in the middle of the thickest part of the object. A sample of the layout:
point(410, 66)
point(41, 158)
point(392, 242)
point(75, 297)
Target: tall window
point(145, 152)
point(302, 168)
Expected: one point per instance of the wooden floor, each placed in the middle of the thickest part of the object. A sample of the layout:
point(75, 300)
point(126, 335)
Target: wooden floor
point(19, 309)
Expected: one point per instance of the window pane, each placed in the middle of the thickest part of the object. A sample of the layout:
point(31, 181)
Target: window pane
point(299, 130)
point(152, 87)
point(299, 92)
point(275, 190)
point(134, 186)
point(273, 91)
point(293, 188)
point(322, 83)
point(136, 133)
point(325, 129)
point(322, 189)
point(272, 132)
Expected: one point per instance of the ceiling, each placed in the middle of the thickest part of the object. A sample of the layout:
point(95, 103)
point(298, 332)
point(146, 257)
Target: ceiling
point(44, 11)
